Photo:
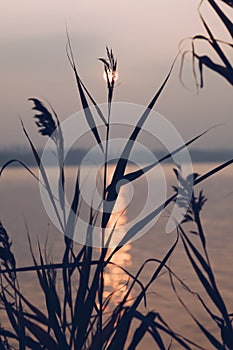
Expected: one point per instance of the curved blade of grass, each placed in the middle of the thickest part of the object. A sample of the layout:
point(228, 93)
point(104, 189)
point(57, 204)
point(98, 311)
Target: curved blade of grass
point(208, 335)
point(107, 331)
point(70, 56)
point(74, 207)
point(71, 265)
point(146, 321)
point(198, 255)
point(41, 335)
point(10, 311)
point(202, 37)
point(43, 280)
point(22, 340)
point(53, 293)
point(136, 174)
point(141, 224)
point(43, 174)
point(52, 128)
point(29, 342)
point(129, 274)
point(154, 325)
point(163, 263)
point(90, 302)
point(52, 307)
point(228, 2)
point(183, 341)
point(87, 111)
point(23, 165)
point(120, 337)
point(82, 288)
point(7, 334)
point(225, 72)
point(212, 292)
point(215, 44)
point(228, 24)
point(213, 172)
point(27, 168)
point(147, 219)
point(94, 103)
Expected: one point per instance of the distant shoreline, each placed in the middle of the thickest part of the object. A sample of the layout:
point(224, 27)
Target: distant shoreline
point(75, 156)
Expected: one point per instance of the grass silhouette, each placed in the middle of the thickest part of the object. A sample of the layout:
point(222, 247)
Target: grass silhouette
point(76, 312)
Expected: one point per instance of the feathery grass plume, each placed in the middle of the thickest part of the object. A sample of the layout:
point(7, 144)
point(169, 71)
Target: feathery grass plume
point(184, 192)
point(48, 126)
point(44, 119)
point(110, 72)
point(6, 256)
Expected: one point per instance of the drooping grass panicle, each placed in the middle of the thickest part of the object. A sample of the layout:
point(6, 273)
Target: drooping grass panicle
point(6, 256)
point(49, 125)
point(44, 119)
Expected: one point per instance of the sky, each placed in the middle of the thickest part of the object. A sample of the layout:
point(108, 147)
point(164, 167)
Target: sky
point(144, 36)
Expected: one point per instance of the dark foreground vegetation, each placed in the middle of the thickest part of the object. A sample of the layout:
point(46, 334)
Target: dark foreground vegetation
point(76, 311)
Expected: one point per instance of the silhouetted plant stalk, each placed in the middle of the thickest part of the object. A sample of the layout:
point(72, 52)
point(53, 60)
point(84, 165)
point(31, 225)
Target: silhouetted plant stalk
point(77, 315)
point(110, 74)
point(201, 265)
point(224, 69)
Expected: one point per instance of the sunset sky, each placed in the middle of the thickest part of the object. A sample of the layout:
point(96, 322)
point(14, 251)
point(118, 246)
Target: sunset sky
point(144, 36)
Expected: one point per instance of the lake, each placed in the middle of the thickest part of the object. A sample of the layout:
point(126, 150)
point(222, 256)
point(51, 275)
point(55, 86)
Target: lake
point(21, 207)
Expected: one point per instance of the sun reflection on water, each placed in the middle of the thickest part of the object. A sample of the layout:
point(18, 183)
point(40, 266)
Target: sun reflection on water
point(115, 278)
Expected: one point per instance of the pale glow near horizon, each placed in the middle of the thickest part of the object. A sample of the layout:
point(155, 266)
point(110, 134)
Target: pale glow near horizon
point(144, 37)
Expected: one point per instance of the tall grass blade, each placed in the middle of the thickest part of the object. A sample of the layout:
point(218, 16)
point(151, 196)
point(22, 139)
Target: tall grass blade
point(138, 173)
point(215, 44)
point(228, 24)
point(124, 324)
point(74, 207)
point(213, 172)
point(208, 335)
point(123, 161)
point(228, 2)
point(107, 332)
point(44, 176)
point(87, 111)
point(210, 290)
point(143, 328)
point(42, 336)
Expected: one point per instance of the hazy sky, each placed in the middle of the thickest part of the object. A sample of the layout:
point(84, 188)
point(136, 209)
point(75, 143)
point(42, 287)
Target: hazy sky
point(144, 36)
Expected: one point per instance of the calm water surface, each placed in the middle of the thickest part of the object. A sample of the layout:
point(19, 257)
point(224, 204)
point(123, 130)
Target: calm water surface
point(21, 206)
